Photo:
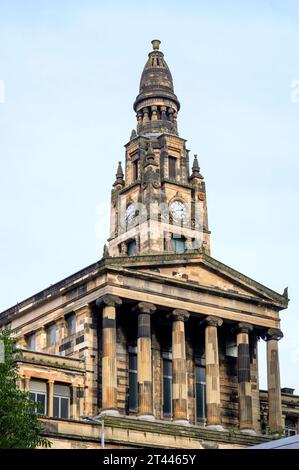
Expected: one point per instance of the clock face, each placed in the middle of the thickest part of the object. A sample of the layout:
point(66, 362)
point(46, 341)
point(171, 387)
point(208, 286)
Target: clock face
point(130, 213)
point(178, 210)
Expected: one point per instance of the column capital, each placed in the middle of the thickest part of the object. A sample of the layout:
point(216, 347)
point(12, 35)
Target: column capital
point(108, 300)
point(242, 327)
point(273, 333)
point(180, 315)
point(145, 307)
point(212, 321)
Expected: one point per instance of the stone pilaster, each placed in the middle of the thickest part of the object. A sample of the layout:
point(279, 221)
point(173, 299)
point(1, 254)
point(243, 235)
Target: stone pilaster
point(144, 360)
point(26, 383)
point(274, 393)
point(212, 372)
point(109, 370)
point(50, 398)
point(244, 379)
point(179, 368)
point(74, 402)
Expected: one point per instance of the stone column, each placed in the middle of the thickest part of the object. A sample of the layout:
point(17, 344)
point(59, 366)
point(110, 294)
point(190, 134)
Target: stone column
point(144, 361)
point(74, 402)
point(109, 370)
point(27, 383)
point(274, 393)
point(212, 373)
point(50, 397)
point(244, 380)
point(179, 369)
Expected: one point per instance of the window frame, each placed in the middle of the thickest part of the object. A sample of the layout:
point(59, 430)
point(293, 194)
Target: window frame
point(167, 356)
point(200, 363)
point(59, 406)
point(44, 394)
point(28, 345)
point(49, 328)
point(132, 351)
point(70, 331)
point(172, 170)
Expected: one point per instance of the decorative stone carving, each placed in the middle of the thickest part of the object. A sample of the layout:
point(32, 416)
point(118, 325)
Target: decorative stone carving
point(108, 300)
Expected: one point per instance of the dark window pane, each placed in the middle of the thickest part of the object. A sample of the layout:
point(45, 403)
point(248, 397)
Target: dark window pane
point(41, 400)
point(167, 387)
point(31, 342)
point(71, 325)
point(167, 405)
point(131, 249)
point(200, 378)
point(51, 335)
point(133, 391)
point(64, 402)
point(135, 170)
point(171, 167)
point(133, 384)
point(56, 407)
point(179, 245)
point(133, 362)
point(167, 368)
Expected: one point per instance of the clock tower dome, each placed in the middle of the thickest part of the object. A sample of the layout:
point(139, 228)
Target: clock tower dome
point(157, 205)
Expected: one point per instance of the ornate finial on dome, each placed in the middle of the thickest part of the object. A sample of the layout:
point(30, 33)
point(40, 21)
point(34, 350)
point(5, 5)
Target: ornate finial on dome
point(156, 44)
point(156, 105)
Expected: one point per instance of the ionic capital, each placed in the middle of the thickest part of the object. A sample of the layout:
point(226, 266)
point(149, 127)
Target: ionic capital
point(180, 315)
point(273, 333)
point(213, 321)
point(108, 300)
point(243, 328)
point(145, 307)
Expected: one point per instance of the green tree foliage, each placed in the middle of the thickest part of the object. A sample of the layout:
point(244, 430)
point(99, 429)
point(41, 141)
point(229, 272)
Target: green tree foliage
point(19, 426)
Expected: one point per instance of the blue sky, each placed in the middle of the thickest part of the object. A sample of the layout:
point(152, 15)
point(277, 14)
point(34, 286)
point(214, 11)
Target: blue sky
point(71, 71)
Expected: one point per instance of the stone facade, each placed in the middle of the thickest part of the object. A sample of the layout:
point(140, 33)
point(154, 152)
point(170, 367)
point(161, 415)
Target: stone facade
point(157, 341)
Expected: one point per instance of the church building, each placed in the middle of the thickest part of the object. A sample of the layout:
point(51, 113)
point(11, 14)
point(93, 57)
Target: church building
point(155, 344)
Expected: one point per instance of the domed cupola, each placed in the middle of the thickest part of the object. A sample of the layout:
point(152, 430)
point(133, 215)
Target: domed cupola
point(156, 105)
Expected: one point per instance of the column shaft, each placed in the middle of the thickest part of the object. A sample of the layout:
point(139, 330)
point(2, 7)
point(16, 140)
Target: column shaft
point(50, 397)
point(109, 370)
point(244, 380)
point(213, 403)
point(144, 360)
point(179, 369)
point(74, 402)
point(274, 392)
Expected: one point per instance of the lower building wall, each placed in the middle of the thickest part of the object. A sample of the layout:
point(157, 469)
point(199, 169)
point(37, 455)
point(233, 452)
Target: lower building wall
point(125, 432)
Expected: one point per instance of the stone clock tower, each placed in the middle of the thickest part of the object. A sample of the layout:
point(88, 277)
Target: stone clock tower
point(157, 204)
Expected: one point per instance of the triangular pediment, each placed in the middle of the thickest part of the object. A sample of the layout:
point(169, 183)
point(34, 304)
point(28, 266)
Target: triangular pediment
point(204, 272)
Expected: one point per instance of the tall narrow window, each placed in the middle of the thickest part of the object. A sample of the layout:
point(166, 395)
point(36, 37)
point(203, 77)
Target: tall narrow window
point(167, 384)
point(31, 342)
point(51, 335)
point(135, 170)
point(61, 401)
point(71, 324)
point(38, 394)
point(172, 167)
point(200, 384)
point(133, 384)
